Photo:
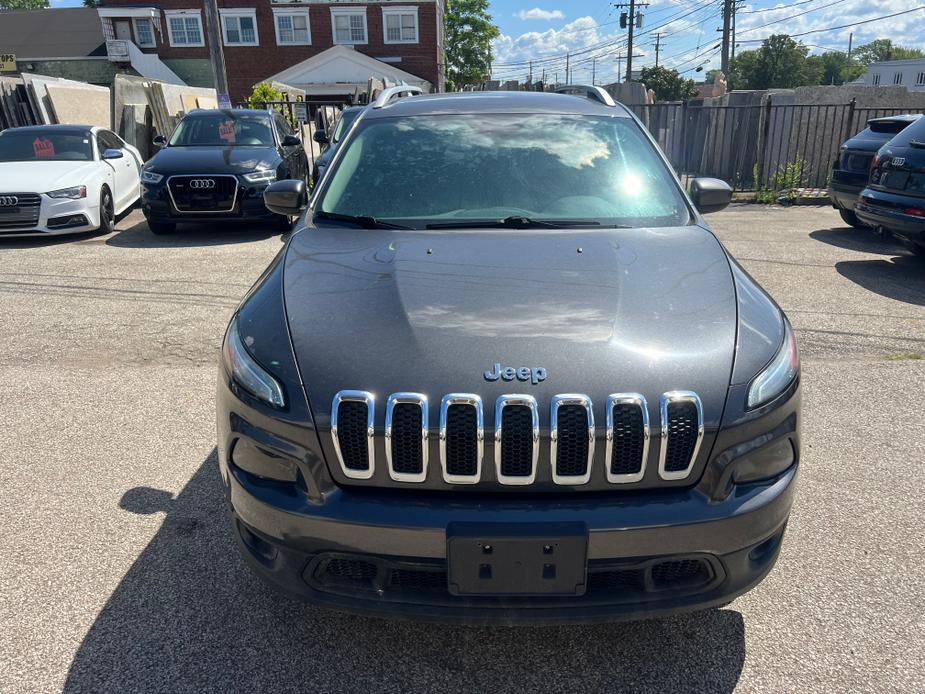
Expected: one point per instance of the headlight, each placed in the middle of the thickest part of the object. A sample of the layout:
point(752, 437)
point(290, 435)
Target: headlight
point(151, 177)
point(261, 176)
point(247, 372)
point(74, 193)
point(777, 375)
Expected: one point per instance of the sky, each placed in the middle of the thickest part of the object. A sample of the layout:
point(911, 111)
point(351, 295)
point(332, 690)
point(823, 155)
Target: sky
point(545, 30)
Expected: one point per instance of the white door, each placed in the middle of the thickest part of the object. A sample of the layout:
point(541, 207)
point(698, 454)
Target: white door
point(126, 180)
point(123, 29)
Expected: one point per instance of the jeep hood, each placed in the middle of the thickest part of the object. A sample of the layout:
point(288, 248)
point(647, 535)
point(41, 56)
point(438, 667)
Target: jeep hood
point(602, 311)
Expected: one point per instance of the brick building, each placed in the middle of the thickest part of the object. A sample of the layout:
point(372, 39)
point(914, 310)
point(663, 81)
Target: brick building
point(401, 40)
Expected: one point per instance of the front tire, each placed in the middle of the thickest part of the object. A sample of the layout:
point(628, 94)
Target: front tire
point(851, 219)
point(107, 212)
point(162, 228)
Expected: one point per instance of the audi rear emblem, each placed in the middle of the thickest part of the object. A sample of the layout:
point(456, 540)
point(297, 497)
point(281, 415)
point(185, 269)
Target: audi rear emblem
point(8, 201)
point(202, 183)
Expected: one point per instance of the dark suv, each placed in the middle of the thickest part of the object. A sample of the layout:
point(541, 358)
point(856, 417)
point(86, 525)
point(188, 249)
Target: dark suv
point(503, 371)
point(852, 168)
point(894, 199)
point(216, 165)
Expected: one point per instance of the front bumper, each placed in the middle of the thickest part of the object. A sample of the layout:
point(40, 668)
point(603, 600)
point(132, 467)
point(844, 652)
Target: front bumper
point(158, 207)
point(730, 546)
point(55, 215)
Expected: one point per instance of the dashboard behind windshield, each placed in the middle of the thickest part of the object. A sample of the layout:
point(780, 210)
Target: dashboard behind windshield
point(223, 130)
point(47, 145)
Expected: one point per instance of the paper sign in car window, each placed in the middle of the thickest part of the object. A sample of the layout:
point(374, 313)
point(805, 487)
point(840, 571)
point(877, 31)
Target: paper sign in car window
point(43, 148)
point(226, 131)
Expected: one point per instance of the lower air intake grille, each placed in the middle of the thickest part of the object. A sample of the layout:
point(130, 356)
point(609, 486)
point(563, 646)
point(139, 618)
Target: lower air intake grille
point(407, 445)
point(352, 418)
point(461, 440)
point(516, 441)
point(676, 574)
point(682, 435)
point(572, 444)
point(628, 440)
point(349, 571)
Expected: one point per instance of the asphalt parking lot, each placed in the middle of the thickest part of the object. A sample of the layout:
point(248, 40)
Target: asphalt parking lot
point(118, 574)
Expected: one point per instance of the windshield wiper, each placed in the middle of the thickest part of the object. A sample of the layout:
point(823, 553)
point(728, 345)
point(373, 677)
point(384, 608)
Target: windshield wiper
point(515, 222)
point(362, 220)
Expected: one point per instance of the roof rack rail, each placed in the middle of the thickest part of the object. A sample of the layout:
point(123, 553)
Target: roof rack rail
point(589, 91)
point(386, 95)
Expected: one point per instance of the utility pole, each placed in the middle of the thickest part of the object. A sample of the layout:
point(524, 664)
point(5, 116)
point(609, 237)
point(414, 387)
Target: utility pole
point(850, 39)
point(567, 56)
point(727, 19)
point(619, 64)
point(658, 46)
point(630, 20)
point(530, 78)
point(593, 70)
point(214, 42)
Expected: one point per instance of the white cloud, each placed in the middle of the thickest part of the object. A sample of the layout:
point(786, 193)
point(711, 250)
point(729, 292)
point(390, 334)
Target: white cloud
point(537, 13)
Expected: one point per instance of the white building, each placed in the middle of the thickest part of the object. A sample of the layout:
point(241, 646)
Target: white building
point(900, 73)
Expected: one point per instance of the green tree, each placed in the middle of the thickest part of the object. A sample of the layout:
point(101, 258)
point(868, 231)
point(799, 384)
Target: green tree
point(469, 33)
point(667, 84)
point(833, 68)
point(23, 4)
point(780, 63)
point(262, 94)
point(91, 3)
point(881, 50)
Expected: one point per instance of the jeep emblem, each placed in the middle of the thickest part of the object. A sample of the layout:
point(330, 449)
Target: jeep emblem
point(536, 374)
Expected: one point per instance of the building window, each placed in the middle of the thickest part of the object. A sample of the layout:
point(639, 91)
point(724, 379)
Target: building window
point(184, 27)
point(144, 32)
point(239, 27)
point(897, 78)
point(292, 28)
point(400, 24)
point(349, 26)
point(876, 79)
point(920, 79)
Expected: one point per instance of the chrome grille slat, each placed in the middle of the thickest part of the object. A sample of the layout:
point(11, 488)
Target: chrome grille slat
point(568, 441)
point(404, 439)
point(682, 431)
point(348, 465)
point(455, 452)
point(623, 450)
point(512, 444)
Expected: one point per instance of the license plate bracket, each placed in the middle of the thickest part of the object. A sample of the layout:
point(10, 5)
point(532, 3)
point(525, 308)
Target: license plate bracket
point(517, 559)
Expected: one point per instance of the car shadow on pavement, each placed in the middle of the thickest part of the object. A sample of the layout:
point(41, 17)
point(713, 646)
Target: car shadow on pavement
point(861, 240)
point(190, 616)
point(901, 278)
point(190, 235)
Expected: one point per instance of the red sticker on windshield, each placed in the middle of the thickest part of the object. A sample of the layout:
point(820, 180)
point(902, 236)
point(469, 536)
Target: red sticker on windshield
point(43, 147)
point(226, 131)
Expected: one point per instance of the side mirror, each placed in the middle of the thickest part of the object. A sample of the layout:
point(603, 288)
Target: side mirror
point(321, 137)
point(287, 198)
point(291, 141)
point(112, 154)
point(710, 194)
point(160, 141)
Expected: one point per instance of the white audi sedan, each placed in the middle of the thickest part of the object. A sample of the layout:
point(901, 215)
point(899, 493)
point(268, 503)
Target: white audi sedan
point(64, 179)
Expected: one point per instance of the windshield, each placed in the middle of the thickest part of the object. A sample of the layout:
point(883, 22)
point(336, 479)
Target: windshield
point(428, 169)
point(223, 130)
point(45, 145)
point(343, 124)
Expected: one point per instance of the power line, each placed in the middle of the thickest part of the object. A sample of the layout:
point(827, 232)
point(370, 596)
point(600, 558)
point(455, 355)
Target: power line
point(782, 7)
point(843, 26)
point(793, 16)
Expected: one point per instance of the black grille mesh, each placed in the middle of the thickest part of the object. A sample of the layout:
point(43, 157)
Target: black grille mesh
point(572, 445)
point(352, 417)
point(678, 573)
point(407, 447)
point(682, 435)
point(628, 440)
point(461, 440)
point(516, 441)
point(412, 579)
point(355, 570)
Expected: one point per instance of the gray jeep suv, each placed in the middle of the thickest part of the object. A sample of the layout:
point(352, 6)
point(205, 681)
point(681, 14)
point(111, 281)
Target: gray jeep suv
point(504, 372)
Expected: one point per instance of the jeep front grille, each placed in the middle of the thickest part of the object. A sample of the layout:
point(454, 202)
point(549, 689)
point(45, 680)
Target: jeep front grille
point(517, 437)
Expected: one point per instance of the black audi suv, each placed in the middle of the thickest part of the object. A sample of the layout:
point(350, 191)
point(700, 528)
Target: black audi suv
point(894, 199)
point(216, 165)
point(852, 168)
point(503, 371)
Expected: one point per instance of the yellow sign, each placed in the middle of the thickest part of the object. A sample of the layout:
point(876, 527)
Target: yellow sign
point(7, 62)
